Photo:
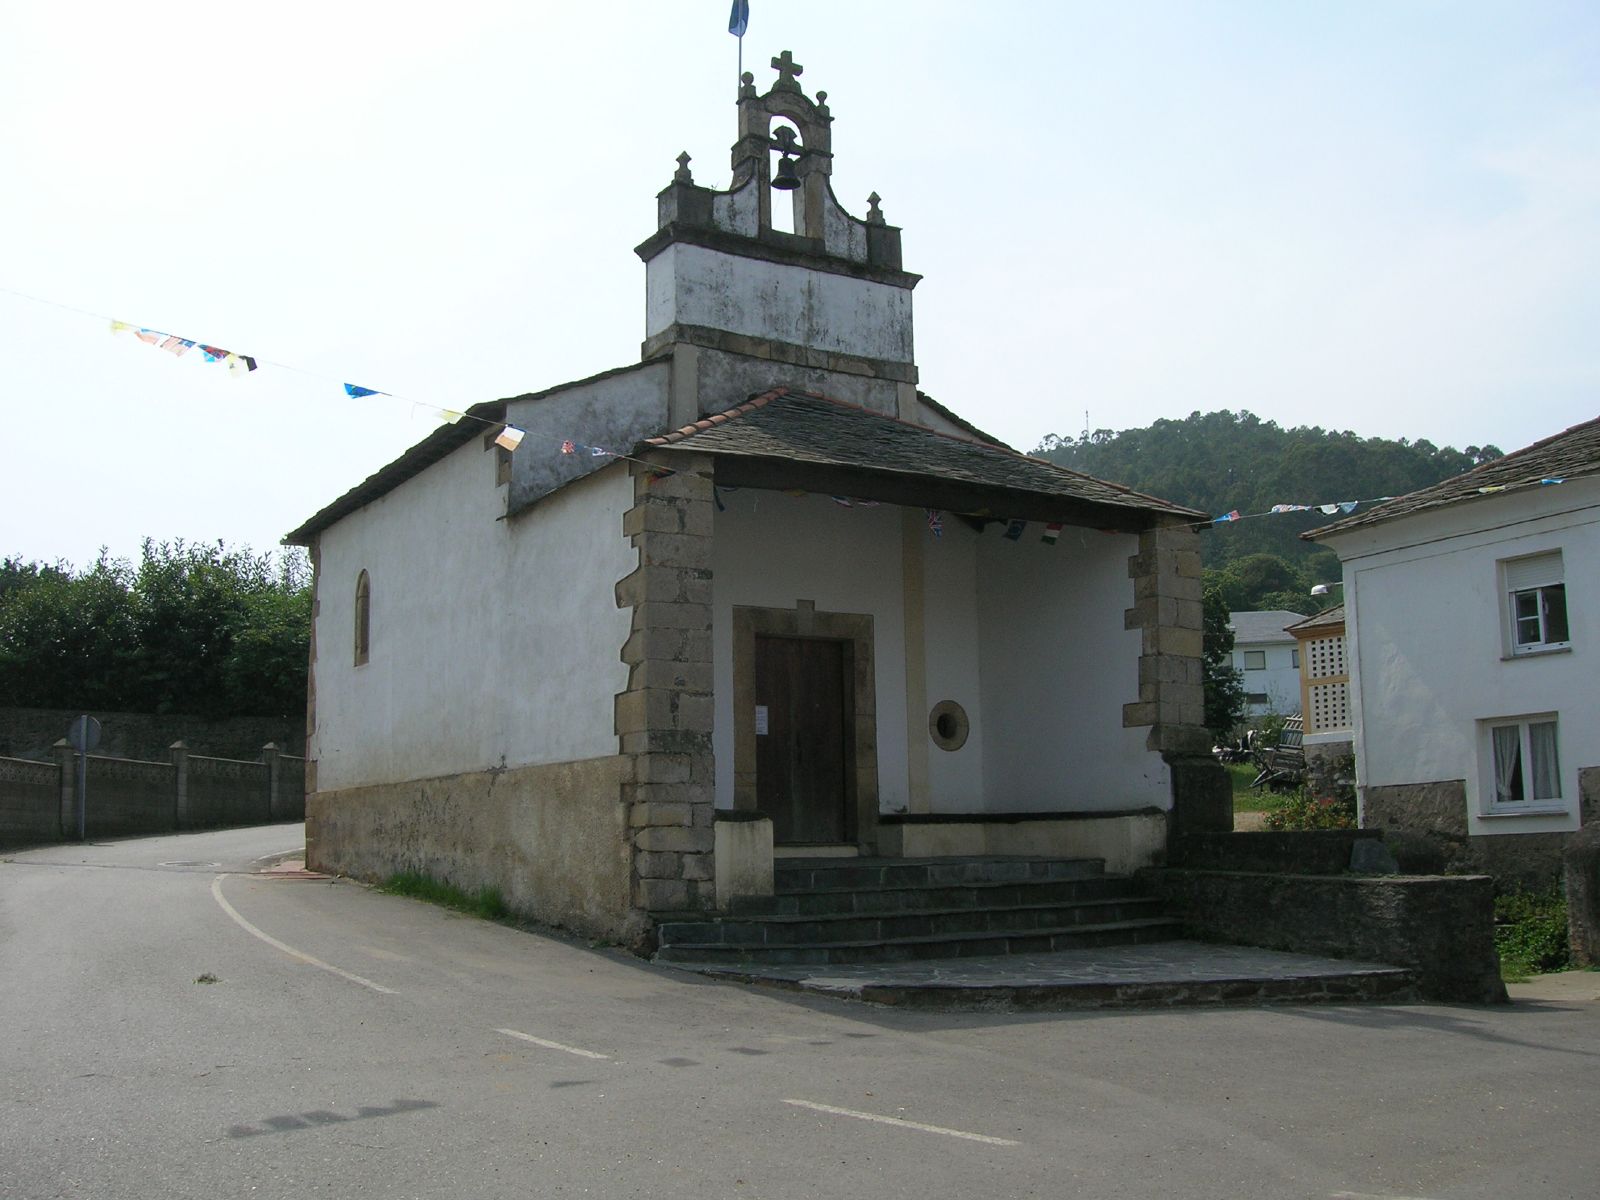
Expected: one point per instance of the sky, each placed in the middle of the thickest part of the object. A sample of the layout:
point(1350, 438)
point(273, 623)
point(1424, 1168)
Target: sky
point(1380, 217)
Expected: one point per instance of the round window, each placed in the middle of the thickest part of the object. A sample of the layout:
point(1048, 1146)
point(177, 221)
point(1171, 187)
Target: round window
point(948, 725)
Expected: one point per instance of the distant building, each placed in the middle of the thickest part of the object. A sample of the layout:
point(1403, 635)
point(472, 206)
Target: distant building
point(1473, 637)
point(1324, 682)
point(1268, 659)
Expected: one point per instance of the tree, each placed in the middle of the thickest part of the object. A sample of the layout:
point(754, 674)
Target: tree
point(203, 630)
point(1224, 686)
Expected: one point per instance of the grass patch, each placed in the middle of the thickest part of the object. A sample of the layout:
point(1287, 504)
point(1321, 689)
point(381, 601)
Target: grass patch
point(487, 902)
point(1245, 798)
point(1530, 932)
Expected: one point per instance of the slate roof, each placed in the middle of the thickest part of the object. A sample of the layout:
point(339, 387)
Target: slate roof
point(1326, 619)
point(1266, 625)
point(1566, 455)
point(803, 427)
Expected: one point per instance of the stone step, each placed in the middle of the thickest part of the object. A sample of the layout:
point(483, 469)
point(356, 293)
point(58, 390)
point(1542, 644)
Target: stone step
point(1036, 941)
point(831, 874)
point(839, 928)
point(1163, 974)
point(883, 899)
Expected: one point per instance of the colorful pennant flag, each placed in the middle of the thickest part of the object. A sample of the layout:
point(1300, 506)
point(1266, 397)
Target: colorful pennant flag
point(509, 438)
point(1051, 533)
point(355, 392)
point(1227, 516)
point(843, 502)
point(936, 522)
point(739, 18)
point(1014, 530)
point(181, 346)
point(1547, 482)
point(1286, 508)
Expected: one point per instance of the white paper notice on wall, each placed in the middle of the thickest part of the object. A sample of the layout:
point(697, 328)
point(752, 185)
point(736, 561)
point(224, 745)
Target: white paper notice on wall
point(761, 720)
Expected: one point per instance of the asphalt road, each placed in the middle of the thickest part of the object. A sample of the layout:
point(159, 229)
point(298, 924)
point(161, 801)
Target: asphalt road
point(356, 1044)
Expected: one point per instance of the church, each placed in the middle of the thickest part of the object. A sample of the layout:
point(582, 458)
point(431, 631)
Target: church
point(618, 647)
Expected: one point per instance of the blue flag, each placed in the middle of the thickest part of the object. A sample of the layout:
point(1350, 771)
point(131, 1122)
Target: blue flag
point(739, 18)
point(351, 389)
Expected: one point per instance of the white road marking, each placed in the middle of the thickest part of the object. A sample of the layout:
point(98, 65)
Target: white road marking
point(216, 891)
point(549, 1045)
point(280, 853)
point(864, 1116)
point(1370, 1196)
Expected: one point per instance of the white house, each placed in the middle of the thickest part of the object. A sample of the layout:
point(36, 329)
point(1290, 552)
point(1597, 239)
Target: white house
point(754, 589)
point(1267, 658)
point(1473, 636)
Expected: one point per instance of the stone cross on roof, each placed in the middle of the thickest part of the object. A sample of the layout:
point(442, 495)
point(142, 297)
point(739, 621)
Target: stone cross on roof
point(787, 69)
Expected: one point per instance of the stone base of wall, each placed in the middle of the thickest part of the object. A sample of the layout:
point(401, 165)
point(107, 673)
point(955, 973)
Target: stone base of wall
point(1425, 825)
point(553, 838)
point(1128, 841)
point(1443, 928)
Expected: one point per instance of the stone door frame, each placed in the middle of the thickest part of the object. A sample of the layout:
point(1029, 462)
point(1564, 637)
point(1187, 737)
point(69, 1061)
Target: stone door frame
point(855, 632)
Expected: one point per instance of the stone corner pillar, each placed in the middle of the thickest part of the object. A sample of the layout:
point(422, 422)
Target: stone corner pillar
point(663, 717)
point(1168, 612)
point(1580, 862)
point(66, 766)
point(270, 754)
point(180, 783)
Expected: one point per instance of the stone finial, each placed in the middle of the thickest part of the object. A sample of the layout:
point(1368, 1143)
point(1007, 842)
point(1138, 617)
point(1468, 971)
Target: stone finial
point(822, 104)
point(787, 69)
point(682, 175)
point(874, 216)
point(747, 85)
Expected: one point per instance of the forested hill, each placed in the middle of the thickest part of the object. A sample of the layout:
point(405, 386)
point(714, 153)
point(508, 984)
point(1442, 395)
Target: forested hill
point(1222, 461)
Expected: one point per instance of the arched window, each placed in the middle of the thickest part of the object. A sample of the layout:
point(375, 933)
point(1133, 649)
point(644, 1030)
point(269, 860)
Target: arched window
point(363, 618)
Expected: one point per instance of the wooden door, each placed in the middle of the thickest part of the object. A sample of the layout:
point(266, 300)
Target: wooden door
point(801, 754)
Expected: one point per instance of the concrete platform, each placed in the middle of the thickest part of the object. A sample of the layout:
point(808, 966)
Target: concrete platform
point(1164, 974)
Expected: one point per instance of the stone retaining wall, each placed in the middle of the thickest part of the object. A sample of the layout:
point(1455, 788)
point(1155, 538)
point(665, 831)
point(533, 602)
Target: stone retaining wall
point(1441, 927)
point(1425, 825)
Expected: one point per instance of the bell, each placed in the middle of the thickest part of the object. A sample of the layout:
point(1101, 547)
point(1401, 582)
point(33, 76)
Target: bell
point(786, 180)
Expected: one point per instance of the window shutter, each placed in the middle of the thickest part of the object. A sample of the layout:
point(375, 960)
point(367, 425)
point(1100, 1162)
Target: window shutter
point(1538, 570)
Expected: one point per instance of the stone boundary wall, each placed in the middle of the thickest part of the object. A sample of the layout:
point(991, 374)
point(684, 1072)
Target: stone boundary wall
point(129, 797)
point(30, 802)
point(1440, 927)
point(1297, 852)
point(1425, 825)
point(31, 732)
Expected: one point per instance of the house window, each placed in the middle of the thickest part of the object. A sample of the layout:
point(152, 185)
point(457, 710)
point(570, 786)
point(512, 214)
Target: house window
point(1255, 660)
point(1536, 595)
point(1294, 658)
point(363, 618)
point(1259, 699)
point(1526, 769)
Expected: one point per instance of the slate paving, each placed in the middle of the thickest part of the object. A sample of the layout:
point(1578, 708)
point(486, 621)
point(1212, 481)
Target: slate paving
point(1163, 974)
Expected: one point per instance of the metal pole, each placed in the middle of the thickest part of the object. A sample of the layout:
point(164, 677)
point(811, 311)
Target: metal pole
point(83, 790)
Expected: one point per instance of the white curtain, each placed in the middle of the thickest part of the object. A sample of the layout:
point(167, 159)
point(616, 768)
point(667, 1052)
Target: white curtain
point(1507, 763)
point(1546, 770)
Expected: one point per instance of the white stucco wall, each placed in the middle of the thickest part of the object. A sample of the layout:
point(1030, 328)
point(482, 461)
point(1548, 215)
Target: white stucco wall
point(951, 658)
point(771, 550)
point(493, 642)
point(1428, 650)
point(692, 285)
point(1279, 680)
point(1057, 666)
point(1027, 638)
